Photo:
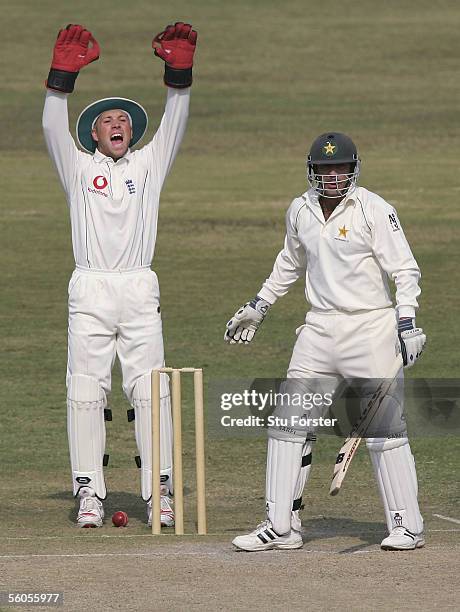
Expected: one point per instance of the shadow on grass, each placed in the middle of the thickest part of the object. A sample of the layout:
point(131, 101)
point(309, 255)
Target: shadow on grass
point(133, 504)
point(326, 528)
point(130, 503)
point(323, 528)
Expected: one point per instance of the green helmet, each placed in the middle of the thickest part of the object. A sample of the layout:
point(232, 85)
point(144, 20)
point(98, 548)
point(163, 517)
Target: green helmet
point(333, 148)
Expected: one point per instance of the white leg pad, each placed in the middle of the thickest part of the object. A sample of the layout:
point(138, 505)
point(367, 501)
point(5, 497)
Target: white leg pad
point(284, 461)
point(86, 401)
point(143, 429)
point(394, 469)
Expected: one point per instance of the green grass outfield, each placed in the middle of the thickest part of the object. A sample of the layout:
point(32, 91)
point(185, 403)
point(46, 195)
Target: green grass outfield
point(269, 77)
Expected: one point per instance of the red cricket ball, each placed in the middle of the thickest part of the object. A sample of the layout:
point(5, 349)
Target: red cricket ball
point(120, 519)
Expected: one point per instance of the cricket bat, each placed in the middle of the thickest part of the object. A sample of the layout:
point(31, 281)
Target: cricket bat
point(349, 447)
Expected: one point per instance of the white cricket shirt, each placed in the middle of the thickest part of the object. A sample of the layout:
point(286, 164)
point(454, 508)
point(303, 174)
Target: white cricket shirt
point(114, 205)
point(347, 259)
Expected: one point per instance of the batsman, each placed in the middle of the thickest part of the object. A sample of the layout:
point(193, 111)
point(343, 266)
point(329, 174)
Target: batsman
point(347, 243)
point(113, 197)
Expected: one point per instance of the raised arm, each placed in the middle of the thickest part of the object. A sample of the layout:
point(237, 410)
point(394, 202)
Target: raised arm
point(161, 151)
point(59, 142)
point(176, 46)
point(75, 47)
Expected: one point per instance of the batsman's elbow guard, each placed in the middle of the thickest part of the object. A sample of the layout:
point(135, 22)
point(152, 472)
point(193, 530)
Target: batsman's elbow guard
point(61, 80)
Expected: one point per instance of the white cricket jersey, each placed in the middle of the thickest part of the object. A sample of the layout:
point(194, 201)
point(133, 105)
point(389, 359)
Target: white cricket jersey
point(114, 205)
point(347, 259)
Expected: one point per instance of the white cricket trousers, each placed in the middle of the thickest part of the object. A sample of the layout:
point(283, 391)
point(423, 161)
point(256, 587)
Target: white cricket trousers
point(361, 344)
point(114, 313)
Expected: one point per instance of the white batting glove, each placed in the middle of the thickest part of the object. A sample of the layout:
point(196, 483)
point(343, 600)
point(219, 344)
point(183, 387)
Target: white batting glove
point(246, 321)
point(412, 340)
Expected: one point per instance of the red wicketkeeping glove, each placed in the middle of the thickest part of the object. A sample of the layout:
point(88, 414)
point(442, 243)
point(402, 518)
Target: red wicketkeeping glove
point(72, 51)
point(176, 46)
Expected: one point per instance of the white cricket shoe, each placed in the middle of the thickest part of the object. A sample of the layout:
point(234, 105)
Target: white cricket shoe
point(91, 512)
point(401, 538)
point(265, 538)
point(166, 512)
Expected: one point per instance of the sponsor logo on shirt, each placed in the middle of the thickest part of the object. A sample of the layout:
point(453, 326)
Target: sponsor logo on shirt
point(99, 182)
point(130, 186)
point(394, 222)
point(97, 192)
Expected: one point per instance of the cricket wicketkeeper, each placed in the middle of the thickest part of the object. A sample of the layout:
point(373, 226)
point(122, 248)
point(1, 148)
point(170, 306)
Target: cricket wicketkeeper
point(346, 242)
point(114, 300)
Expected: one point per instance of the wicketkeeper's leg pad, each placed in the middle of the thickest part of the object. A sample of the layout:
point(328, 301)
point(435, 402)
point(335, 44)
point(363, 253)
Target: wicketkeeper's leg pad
point(143, 429)
point(284, 461)
point(86, 401)
point(394, 469)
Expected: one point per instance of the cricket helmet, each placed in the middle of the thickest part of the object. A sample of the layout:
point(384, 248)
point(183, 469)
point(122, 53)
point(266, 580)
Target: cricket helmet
point(333, 148)
point(85, 122)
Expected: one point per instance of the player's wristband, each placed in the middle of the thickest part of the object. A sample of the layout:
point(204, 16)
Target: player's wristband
point(260, 305)
point(178, 78)
point(61, 80)
point(406, 324)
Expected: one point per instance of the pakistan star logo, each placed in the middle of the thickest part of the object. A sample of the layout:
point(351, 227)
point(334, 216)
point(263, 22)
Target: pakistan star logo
point(329, 149)
point(343, 232)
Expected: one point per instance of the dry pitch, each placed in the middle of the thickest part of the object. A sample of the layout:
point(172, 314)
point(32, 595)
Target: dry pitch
point(270, 76)
point(341, 566)
point(145, 573)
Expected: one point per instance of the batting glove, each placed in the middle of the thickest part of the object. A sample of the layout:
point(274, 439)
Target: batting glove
point(412, 340)
point(246, 321)
point(176, 46)
point(75, 47)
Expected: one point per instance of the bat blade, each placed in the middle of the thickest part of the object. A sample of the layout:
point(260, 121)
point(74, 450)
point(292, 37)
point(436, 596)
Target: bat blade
point(342, 462)
point(350, 446)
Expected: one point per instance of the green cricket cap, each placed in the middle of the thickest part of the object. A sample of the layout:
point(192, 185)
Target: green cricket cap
point(88, 116)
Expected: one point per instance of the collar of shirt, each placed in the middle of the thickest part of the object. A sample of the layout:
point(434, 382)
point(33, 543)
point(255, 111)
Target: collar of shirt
point(312, 200)
point(100, 157)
